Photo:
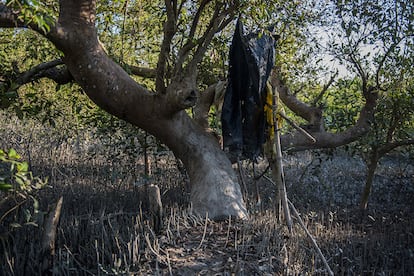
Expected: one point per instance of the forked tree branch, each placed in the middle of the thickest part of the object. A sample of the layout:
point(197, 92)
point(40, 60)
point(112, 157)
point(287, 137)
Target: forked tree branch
point(221, 17)
point(184, 52)
point(217, 23)
point(324, 139)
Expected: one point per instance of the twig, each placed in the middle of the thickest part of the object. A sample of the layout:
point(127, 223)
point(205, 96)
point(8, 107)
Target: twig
point(242, 179)
point(298, 128)
point(330, 272)
point(228, 232)
point(257, 177)
point(204, 233)
point(80, 265)
point(325, 88)
point(12, 209)
point(152, 249)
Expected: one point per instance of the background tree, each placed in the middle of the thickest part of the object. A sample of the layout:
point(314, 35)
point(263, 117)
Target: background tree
point(377, 44)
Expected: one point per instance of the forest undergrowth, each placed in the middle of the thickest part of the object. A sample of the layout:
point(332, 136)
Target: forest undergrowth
point(105, 228)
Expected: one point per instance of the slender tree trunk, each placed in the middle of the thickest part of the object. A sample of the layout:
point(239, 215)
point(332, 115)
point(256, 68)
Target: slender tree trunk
point(372, 165)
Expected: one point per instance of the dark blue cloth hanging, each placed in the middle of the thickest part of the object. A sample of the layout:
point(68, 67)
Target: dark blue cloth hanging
point(251, 60)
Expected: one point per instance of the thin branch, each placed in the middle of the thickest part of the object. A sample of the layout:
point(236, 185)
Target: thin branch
point(393, 145)
point(196, 19)
point(325, 88)
point(170, 28)
point(381, 63)
point(217, 23)
point(298, 128)
point(184, 52)
point(221, 17)
point(360, 70)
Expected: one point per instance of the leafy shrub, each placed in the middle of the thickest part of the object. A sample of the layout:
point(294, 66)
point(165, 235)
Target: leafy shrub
point(17, 187)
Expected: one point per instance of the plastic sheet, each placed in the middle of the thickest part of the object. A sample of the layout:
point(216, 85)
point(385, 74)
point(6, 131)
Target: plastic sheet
point(243, 122)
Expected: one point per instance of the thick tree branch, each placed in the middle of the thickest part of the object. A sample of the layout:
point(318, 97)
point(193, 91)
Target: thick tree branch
point(202, 108)
point(10, 19)
point(54, 70)
point(48, 70)
point(324, 139)
point(311, 114)
point(212, 96)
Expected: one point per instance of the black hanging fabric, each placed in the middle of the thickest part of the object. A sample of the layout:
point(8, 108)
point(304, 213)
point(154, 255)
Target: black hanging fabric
point(243, 122)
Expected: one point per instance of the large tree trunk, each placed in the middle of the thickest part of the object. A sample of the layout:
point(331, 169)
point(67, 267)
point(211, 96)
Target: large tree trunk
point(215, 189)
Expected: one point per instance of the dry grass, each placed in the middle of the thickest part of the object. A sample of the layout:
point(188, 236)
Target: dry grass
point(104, 228)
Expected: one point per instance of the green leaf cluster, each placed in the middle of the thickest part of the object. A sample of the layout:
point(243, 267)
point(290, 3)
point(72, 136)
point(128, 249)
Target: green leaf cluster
point(15, 175)
point(17, 187)
point(39, 13)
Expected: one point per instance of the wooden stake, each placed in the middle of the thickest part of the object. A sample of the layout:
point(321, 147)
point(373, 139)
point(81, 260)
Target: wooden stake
point(49, 236)
point(277, 166)
point(155, 207)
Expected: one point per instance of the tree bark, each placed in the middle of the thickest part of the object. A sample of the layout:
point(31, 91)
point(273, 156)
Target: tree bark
point(372, 165)
point(375, 155)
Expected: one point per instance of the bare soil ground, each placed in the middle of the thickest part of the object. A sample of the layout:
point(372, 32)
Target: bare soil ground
point(104, 227)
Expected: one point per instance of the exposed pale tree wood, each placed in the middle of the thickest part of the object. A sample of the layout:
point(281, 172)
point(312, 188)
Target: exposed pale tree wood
point(155, 206)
